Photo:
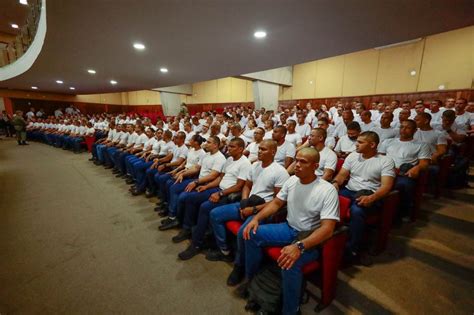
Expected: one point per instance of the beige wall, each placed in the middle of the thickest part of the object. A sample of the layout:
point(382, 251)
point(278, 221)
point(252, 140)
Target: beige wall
point(445, 58)
point(226, 90)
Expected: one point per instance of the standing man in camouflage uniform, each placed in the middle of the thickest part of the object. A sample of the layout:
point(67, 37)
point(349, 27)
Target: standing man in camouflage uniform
point(20, 127)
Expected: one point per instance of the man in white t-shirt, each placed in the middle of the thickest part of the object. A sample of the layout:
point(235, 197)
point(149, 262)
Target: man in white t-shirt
point(327, 158)
point(265, 179)
point(385, 131)
point(224, 189)
point(347, 143)
point(435, 139)
point(285, 150)
point(366, 123)
point(313, 211)
point(137, 146)
point(30, 114)
point(292, 136)
point(371, 177)
point(450, 129)
point(436, 112)
point(341, 127)
point(302, 127)
point(251, 152)
point(411, 157)
point(188, 190)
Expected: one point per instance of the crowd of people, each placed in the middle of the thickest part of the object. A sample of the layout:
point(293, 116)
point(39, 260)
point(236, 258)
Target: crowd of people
point(247, 165)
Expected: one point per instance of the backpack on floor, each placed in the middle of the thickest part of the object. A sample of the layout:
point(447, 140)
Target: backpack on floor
point(265, 291)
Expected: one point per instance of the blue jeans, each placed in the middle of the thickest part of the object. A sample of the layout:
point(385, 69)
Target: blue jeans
point(189, 203)
point(174, 192)
point(358, 217)
point(219, 216)
point(280, 234)
point(160, 181)
point(139, 169)
point(199, 230)
point(77, 143)
point(406, 187)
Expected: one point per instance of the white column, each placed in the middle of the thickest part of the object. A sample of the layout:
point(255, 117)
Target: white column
point(171, 103)
point(265, 95)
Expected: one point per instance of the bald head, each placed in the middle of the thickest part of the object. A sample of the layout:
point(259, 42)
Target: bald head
point(271, 144)
point(309, 153)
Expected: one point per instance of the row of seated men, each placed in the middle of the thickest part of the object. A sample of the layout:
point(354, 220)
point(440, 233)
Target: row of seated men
point(199, 187)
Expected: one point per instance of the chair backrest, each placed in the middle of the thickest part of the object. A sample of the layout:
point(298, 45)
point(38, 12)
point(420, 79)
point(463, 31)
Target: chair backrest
point(344, 208)
point(339, 164)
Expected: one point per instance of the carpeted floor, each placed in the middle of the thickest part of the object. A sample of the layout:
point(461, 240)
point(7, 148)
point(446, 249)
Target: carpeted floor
point(74, 241)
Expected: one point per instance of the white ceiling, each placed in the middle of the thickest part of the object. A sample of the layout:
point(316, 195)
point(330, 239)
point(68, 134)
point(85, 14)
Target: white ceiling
point(208, 39)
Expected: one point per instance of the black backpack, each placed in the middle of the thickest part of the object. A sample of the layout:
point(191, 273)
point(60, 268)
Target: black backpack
point(265, 291)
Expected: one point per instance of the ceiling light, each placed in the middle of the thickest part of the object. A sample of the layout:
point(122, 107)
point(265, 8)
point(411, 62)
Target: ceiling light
point(412, 73)
point(164, 70)
point(310, 82)
point(72, 88)
point(14, 25)
point(25, 2)
point(260, 34)
point(59, 82)
point(34, 87)
point(441, 87)
point(91, 71)
point(113, 82)
point(139, 46)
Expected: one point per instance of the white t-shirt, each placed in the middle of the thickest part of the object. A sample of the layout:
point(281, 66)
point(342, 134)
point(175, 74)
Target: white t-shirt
point(386, 133)
point(330, 142)
point(327, 160)
point(345, 145)
point(283, 151)
point(431, 137)
point(194, 157)
point(124, 137)
point(156, 148)
point(234, 170)
point(189, 135)
point(436, 118)
point(253, 151)
point(248, 134)
point(90, 131)
point(140, 140)
point(212, 162)
point(341, 130)
point(368, 127)
point(304, 130)
point(166, 148)
point(268, 135)
point(463, 122)
point(132, 138)
point(309, 204)
point(405, 151)
point(179, 152)
point(150, 142)
point(293, 138)
point(264, 180)
point(367, 173)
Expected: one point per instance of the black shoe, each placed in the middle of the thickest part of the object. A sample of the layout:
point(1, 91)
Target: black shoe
point(115, 171)
point(163, 212)
point(236, 276)
point(149, 194)
point(182, 236)
point(19, 143)
point(189, 253)
point(242, 290)
point(108, 167)
point(168, 225)
point(165, 221)
point(119, 174)
point(24, 143)
point(129, 181)
point(136, 192)
point(218, 255)
point(97, 162)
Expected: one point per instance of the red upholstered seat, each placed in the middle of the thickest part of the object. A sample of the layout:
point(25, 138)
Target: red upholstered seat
point(339, 164)
point(233, 226)
point(89, 141)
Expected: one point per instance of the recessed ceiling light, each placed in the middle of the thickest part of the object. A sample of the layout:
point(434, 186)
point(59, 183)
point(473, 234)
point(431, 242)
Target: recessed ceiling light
point(412, 73)
point(14, 25)
point(310, 82)
point(34, 87)
point(113, 82)
point(91, 71)
point(441, 87)
point(25, 2)
point(72, 88)
point(260, 34)
point(164, 70)
point(59, 82)
point(139, 46)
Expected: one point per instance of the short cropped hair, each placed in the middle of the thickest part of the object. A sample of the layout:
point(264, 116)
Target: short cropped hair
point(372, 136)
point(354, 125)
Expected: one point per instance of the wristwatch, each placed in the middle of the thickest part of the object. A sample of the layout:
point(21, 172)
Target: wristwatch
point(300, 246)
point(221, 193)
point(254, 210)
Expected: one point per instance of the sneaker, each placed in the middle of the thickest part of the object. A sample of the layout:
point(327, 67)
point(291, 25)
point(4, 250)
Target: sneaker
point(183, 235)
point(166, 221)
point(149, 194)
point(163, 212)
point(218, 255)
point(242, 290)
point(129, 181)
point(236, 276)
point(136, 192)
point(189, 252)
point(173, 223)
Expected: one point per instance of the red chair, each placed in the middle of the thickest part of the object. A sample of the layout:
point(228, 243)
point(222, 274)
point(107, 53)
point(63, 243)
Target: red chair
point(89, 141)
point(339, 164)
point(322, 272)
point(383, 220)
point(420, 189)
point(444, 166)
